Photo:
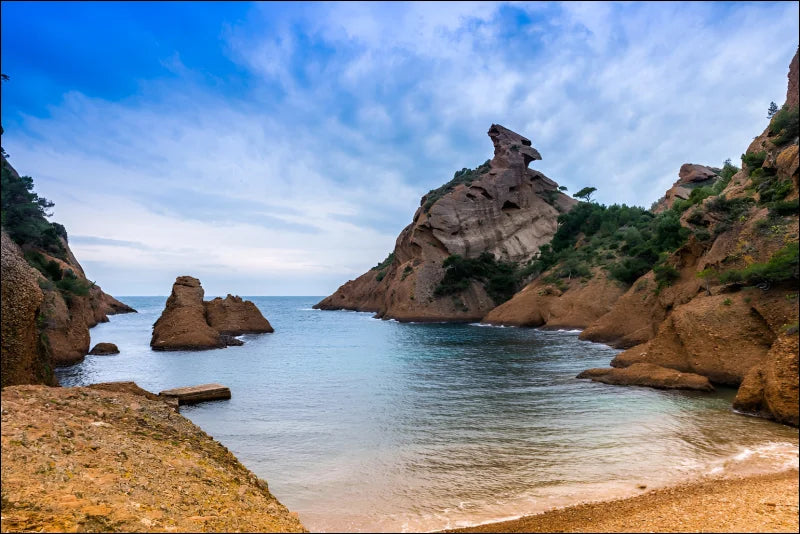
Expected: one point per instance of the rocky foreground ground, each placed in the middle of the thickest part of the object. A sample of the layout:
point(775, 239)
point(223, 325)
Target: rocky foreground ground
point(764, 503)
point(89, 460)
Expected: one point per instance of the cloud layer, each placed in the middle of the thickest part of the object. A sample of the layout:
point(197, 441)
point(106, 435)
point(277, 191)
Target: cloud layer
point(293, 166)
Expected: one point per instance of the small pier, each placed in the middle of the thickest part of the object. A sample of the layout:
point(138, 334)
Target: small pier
point(201, 393)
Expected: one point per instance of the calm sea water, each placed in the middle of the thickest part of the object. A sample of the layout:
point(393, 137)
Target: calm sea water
point(360, 424)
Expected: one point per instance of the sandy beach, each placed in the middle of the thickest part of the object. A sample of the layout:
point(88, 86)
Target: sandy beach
point(760, 503)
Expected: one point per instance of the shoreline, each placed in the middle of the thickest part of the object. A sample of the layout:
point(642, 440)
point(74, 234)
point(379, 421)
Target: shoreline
point(765, 502)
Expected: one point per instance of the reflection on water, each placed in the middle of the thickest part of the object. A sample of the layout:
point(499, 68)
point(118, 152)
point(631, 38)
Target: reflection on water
point(361, 424)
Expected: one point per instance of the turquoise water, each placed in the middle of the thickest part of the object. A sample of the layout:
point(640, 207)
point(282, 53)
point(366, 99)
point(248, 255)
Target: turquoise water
point(360, 424)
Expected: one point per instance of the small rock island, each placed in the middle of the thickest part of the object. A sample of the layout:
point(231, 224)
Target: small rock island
point(189, 323)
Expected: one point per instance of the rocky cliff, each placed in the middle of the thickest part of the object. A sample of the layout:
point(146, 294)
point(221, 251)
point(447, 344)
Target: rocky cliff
point(492, 219)
point(189, 323)
point(48, 303)
point(721, 304)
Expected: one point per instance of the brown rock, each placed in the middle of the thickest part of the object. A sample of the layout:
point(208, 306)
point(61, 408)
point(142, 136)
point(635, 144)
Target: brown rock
point(182, 325)
point(104, 348)
point(24, 358)
point(107, 459)
point(542, 304)
point(133, 389)
point(189, 323)
point(690, 175)
point(649, 375)
point(504, 208)
point(233, 316)
point(771, 389)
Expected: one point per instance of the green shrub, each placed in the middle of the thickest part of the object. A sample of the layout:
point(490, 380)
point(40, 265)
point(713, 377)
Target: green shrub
point(70, 283)
point(464, 176)
point(785, 126)
point(665, 274)
point(500, 279)
point(783, 265)
point(784, 207)
point(385, 263)
point(381, 275)
point(754, 160)
point(727, 302)
point(23, 214)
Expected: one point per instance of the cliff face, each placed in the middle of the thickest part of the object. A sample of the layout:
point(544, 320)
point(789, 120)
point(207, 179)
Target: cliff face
point(728, 309)
point(48, 303)
point(501, 207)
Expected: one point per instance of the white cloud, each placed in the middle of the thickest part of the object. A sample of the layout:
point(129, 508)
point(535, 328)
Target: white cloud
point(306, 180)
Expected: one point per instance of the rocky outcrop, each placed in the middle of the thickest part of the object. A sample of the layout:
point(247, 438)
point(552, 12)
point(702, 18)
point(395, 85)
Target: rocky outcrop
point(233, 316)
point(690, 176)
point(189, 323)
point(106, 459)
point(542, 303)
point(502, 207)
point(102, 349)
point(740, 334)
point(25, 359)
point(771, 389)
point(649, 375)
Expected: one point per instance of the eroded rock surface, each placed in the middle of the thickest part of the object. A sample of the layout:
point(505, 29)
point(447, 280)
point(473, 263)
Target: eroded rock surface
point(104, 459)
point(233, 316)
point(189, 323)
point(649, 375)
point(502, 207)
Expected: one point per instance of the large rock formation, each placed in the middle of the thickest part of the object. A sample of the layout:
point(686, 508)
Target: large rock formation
point(48, 303)
point(706, 325)
point(542, 304)
point(189, 323)
point(115, 458)
point(501, 207)
point(690, 176)
point(699, 323)
point(233, 316)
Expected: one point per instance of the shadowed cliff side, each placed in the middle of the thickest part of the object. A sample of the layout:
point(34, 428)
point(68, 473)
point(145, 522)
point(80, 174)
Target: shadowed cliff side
point(479, 228)
point(48, 303)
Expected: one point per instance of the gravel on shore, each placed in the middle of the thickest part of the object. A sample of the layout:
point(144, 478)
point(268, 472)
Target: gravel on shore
point(759, 503)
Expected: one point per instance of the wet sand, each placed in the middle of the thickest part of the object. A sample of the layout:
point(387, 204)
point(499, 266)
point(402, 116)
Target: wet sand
point(759, 503)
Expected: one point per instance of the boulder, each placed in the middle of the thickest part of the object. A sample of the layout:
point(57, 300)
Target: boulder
point(649, 375)
point(233, 316)
point(103, 349)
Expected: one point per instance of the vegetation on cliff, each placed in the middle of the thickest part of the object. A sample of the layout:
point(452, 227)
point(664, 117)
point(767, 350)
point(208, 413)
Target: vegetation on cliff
point(23, 214)
point(464, 176)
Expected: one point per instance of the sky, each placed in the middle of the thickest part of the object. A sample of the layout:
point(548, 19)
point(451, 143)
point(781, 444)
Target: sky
point(280, 148)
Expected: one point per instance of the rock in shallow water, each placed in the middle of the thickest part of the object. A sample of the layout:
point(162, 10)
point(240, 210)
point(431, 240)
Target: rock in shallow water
point(649, 375)
point(104, 348)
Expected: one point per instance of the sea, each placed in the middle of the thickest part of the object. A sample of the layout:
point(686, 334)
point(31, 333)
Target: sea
point(362, 424)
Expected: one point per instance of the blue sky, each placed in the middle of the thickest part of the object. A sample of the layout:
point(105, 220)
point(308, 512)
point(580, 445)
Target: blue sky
point(279, 148)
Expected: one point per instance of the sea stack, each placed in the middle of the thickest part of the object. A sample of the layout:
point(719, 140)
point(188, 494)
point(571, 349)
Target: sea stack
point(501, 208)
point(189, 323)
